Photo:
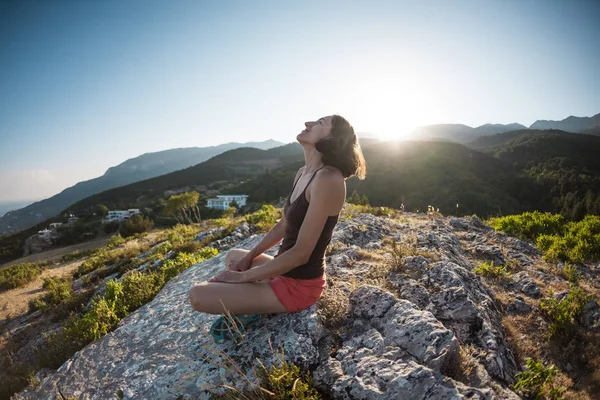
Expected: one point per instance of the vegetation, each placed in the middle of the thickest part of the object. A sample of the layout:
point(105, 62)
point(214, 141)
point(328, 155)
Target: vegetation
point(577, 242)
point(265, 218)
point(119, 299)
point(136, 224)
point(562, 313)
point(18, 275)
point(184, 207)
point(490, 270)
point(537, 381)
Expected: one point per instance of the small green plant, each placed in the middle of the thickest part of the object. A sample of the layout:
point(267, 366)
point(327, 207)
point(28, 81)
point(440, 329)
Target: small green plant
point(286, 381)
point(562, 313)
point(490, 270)
point(136, 224)
point(537, 381)
point(265, 218)
point(400, 250)
point(571, 273)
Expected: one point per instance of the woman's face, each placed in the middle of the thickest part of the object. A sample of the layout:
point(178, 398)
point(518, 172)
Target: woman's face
point(315, 130)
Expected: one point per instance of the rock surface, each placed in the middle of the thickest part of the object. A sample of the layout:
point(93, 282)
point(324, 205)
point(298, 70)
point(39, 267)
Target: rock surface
point(398, 342)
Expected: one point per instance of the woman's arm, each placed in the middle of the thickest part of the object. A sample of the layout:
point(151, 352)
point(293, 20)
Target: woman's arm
point(276, 233)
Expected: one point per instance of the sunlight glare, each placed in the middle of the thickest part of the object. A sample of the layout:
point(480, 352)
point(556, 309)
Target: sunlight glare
point(388, 105)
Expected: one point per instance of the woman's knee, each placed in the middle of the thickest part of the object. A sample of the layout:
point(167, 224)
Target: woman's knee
point(197, 294)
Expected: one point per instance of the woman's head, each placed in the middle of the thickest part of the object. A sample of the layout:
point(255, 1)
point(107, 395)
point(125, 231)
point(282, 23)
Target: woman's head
point(334, 138)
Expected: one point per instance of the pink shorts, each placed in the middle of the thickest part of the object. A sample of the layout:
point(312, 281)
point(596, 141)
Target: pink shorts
point(297, 294)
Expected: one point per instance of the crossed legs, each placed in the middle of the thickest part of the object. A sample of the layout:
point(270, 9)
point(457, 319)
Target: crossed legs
point(238, 298)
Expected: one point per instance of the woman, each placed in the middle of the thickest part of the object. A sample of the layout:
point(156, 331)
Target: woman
point(257, 283)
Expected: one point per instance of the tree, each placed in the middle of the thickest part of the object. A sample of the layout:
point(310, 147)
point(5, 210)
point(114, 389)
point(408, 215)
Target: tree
point(184, 207)
point(234, 204)
point(354, 198)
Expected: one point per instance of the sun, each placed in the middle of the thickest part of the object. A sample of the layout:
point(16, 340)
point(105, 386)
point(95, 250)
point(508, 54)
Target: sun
point(388, 105)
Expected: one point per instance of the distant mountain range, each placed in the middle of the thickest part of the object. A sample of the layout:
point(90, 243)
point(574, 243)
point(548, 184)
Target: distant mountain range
point(143, 167)
point(464, 133)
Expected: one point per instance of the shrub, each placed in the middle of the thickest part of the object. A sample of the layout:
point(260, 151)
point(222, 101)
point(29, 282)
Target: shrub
point(136, 224)
point(571, 273)
point(18, 275)
point(490, 270)
point(265, 218)
point(579, 243)
point(538, 381)
point(529, 225)
point(562, 313)
point(59, 290)
point(287, 382)
point(172, 268)
point(115, 241)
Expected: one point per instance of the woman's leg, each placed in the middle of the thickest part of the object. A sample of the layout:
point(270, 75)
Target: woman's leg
point(237, 298)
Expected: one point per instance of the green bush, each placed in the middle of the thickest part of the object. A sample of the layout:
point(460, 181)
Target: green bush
point(76, 255)
point(538, 381)
point(265, 218)
point(115, 241)
point(490, 270)
point(18, 275)
point(571, 273)
point(172, 268)
point(136, 224)
point(562, 313)
point(59, 290)
point(579, 243)
point(529, 225)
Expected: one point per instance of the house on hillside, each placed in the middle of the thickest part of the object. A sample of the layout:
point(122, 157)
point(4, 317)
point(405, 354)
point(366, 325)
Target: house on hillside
point(120, 215)
point(72, 219)
point(45, 234)
point(54, 226)
point(222, 202)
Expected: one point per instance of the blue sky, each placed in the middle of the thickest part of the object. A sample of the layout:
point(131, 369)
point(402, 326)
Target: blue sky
point(88, 84)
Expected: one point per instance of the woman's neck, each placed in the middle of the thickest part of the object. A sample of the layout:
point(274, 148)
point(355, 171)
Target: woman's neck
point(312, 159)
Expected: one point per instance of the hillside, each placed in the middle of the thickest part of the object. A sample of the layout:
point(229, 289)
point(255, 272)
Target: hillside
point(408, 313)
point(566, 165)
point(418, 174)
point(136, 169)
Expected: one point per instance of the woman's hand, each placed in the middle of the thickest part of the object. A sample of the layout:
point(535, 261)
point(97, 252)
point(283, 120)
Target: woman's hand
point(229, 277)
point(243, 264)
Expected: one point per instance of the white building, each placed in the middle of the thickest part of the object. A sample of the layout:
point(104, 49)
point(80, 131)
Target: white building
point(222, 202)
point(54, 226)
point(45, 234)
point(120, 215)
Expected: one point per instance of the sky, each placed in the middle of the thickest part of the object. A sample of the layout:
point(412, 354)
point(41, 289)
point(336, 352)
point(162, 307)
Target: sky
point(88, 84)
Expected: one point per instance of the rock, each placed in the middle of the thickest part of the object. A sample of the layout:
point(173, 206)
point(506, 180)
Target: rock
point(519, 306)
point(393, 345)
point(590, 317)
point(525, 284)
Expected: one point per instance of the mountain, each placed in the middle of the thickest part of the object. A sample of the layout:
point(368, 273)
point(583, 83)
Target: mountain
point(460, 133)
point(573, 124)
point(136, 169)
point(565, 165)
point(416, 174)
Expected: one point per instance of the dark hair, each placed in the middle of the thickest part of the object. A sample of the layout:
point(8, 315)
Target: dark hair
point(341, 149)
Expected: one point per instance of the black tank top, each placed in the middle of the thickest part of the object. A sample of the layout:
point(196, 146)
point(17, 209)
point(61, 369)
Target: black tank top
point(294, 214)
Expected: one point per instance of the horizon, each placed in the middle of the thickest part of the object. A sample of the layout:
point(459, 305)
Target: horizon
point(94, 84)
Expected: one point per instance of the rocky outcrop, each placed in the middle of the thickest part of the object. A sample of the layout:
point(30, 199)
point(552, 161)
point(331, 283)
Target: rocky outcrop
point(399, 341)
